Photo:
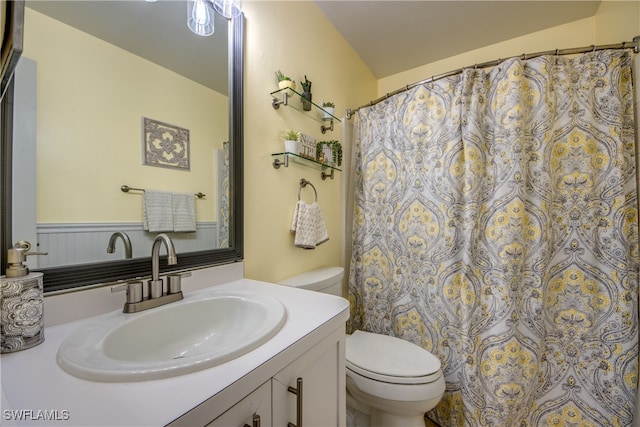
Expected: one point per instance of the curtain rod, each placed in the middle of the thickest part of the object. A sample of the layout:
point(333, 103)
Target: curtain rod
point(635, 44)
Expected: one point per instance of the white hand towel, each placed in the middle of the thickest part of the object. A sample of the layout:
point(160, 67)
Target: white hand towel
point(303, 226)
point(157, 211)
point(184, 212)
point(322, 234)
point(308, 226)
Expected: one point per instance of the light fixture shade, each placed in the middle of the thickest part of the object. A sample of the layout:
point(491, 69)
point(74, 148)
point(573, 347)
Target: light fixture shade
point(200, 17)
point(228, 8)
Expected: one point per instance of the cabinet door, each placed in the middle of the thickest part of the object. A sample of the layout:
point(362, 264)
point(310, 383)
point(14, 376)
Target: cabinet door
point(242, 413)
point(323, 388)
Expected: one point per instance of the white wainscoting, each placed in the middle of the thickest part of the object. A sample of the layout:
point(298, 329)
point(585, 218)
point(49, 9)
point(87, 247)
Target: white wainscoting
point(79, 243)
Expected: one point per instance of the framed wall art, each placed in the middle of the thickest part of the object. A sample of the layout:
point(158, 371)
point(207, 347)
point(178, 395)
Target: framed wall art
point(165, 145)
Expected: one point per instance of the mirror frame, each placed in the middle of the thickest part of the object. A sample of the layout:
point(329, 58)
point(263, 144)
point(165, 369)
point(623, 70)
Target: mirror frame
point(75, 277)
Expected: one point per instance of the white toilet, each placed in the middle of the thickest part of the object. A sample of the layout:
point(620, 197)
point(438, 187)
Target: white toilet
point(392, 380)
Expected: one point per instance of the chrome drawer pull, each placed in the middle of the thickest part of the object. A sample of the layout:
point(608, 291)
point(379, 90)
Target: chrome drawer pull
point(298, 393)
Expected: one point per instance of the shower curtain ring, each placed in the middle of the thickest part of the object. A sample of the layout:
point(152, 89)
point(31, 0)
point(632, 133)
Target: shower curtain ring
point(593, 48)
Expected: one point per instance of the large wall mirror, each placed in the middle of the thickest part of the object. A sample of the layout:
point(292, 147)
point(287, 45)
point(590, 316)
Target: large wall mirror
point(110, 95)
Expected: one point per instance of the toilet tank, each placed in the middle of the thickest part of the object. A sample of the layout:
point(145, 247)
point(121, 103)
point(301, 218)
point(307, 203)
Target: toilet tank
point(327, 280)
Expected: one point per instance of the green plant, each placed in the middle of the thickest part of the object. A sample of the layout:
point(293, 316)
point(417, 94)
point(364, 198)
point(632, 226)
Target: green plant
point(328, 104)
point(280, 76)
point(291, 135)
point(306, 84)
point(336, 150)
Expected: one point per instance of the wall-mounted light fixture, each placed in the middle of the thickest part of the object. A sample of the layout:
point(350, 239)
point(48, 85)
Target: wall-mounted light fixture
point(200, 17)
point(200, 14)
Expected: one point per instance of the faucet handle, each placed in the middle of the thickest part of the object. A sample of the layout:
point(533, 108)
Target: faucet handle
point(175, 281)
point(134, 292)
point(118, 288)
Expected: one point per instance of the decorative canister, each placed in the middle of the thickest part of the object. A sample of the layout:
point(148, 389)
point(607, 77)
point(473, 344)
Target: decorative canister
point(21, 302)
point(22, 312)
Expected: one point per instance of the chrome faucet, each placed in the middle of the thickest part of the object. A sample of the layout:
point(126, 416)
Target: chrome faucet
point(155, 284)
point(156, 296)
point(111, 247)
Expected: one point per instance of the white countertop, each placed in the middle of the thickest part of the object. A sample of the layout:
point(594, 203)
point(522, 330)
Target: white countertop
point(32, 381)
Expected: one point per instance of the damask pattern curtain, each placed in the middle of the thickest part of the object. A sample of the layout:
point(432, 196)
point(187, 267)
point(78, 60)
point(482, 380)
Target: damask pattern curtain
point(496, 225)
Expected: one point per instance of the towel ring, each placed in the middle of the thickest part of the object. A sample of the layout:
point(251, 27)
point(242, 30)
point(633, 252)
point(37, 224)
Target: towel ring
point(304, 183)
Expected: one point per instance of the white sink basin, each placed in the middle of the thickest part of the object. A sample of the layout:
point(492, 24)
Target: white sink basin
point(174, 339)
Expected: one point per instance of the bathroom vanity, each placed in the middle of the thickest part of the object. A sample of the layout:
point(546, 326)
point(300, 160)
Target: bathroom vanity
point(299, 372)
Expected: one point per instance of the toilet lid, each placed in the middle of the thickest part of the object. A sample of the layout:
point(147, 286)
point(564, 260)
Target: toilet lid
point(390, 359)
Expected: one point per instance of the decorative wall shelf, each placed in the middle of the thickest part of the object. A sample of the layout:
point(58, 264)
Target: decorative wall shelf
point(282, 159)
point(286, 95)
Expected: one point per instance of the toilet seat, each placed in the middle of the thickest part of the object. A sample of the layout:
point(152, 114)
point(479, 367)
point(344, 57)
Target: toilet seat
point(390, 360)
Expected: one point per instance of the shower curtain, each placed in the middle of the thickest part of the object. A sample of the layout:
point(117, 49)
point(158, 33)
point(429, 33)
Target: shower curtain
point(495, 225)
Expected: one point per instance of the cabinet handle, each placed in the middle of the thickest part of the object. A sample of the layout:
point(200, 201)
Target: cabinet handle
point(255, 421)
point(298, 393)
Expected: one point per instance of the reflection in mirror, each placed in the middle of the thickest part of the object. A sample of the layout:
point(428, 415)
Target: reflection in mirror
point(100, 106)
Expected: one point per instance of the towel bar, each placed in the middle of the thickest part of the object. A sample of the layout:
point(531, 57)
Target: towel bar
point(126, 189)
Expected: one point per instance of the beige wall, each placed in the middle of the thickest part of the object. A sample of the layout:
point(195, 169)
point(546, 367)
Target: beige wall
point(89, 118)
point(295, 37)
point(617, 21)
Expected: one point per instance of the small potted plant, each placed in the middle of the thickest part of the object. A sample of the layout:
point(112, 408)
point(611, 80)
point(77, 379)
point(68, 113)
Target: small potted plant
point(284, 81)
point(329, 108)
point(306, 94)
point(329, 153)
point(291, 140)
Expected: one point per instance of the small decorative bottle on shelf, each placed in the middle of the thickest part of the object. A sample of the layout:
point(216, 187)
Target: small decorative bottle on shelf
point(306, 94)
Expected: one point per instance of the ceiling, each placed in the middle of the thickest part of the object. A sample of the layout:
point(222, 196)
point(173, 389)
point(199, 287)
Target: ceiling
point(395, 36)
point(389, 36)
